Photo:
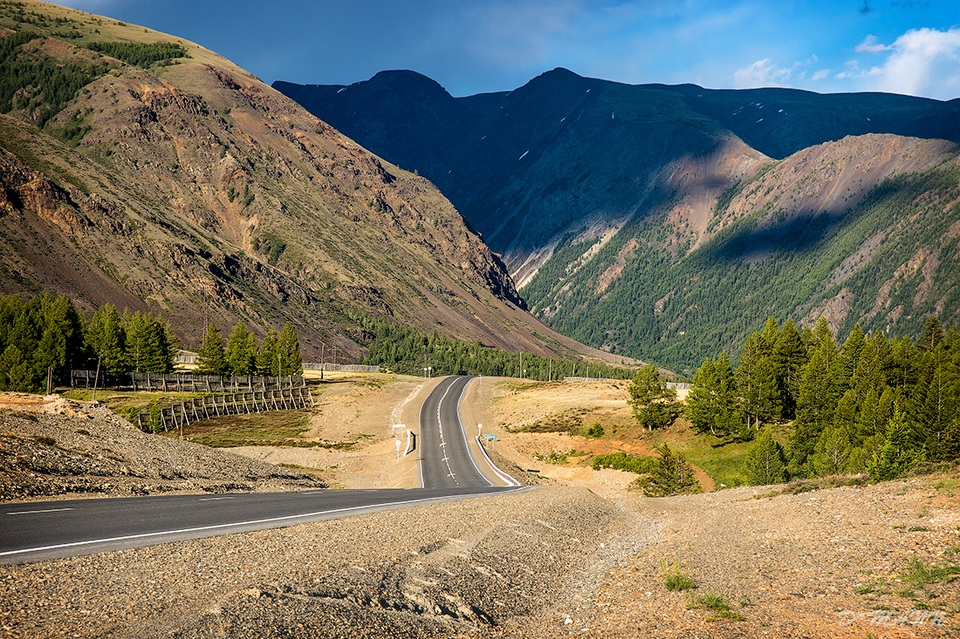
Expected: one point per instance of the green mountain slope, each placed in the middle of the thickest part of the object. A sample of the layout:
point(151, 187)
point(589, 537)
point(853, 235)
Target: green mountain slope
point(789, 243)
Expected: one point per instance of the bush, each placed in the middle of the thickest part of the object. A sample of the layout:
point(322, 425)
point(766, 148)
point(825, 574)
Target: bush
point(595, 431)
point(672, 476)
point(624, 461)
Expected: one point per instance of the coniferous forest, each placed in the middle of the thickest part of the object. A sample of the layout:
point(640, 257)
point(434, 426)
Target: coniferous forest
point(47, 333)
point(873, 404)
point(406, 350)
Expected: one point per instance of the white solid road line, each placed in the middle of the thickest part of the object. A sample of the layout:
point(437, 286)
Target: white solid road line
point(34, 512)
point(253, 522)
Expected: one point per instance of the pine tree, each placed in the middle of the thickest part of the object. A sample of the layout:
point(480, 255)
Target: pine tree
point(654, 405)
point(757, 382)
point(790, 356)
point(712, 403)
point(832, 452)
point(932, 335)
point(241, 350)
point(850, 356)
point(211, 358)
point(765, 462)
point(135, 333)
point(767, 342)
point(933, 403)
point(288, 347)
point(700, 405)
point(267, 364)
point(819, 394)
point(868, 376)
point(16, 373)
point(27, 328)
point(898, 454)
point(61, 345)
point(906, 365)
point(821, 334)
point(869, 422)
point(672, 476)
point(106, 339)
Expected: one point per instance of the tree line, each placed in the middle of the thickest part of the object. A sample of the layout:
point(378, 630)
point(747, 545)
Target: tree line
point(873, 405)
point(406, 350)
point(278, 355)
point(49, 333)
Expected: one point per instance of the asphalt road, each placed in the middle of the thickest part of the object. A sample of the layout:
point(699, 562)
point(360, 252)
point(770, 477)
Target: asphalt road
point(445, 458)
point(40, 531)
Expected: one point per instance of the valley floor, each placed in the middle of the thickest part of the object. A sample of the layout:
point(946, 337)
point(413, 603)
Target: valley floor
point(581, 556)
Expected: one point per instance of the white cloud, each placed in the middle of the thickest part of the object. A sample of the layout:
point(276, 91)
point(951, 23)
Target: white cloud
point(763, 73)
point(869, 45)
point(921, 62)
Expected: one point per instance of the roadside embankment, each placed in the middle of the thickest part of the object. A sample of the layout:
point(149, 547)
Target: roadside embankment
point(479, 568)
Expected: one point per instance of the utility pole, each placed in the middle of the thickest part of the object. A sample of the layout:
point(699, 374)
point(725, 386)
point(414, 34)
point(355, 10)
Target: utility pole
point(96, 377)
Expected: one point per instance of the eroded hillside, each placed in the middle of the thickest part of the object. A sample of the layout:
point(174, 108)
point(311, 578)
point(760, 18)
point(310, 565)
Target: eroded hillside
point(189, 187)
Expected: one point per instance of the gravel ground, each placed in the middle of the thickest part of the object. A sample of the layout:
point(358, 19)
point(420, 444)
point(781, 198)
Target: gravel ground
point(827, 563)
point(556, 561)
point(66, 449)
point(476, 568)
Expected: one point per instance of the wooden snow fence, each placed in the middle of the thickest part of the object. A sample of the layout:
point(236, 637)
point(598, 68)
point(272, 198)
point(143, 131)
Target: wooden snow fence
point(183, 382)
point(208, 406)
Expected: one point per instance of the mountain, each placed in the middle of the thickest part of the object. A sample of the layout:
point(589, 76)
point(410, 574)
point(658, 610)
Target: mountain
point(668, 222)
point(143, 170)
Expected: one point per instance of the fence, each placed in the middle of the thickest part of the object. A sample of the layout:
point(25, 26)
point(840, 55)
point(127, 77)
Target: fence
point(209, 406)
point(675, 385)
point(349, 368)
point(184, 382)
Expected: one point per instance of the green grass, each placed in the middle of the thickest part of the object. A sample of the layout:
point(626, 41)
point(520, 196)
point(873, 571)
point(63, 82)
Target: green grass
point(716, 603)
point(272, 428)
point(722, 461)
point(127, 403)
point(919, 574)
point(675, 576)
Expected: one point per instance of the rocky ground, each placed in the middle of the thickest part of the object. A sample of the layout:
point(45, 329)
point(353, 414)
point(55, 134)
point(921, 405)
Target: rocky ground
point(580, 556)
point(51, 447)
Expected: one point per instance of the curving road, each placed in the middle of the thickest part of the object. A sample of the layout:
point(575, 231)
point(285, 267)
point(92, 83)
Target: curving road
point(445, 458)
point(39, 531)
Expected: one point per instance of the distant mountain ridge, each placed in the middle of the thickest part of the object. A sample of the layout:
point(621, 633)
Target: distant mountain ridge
point(584, 184)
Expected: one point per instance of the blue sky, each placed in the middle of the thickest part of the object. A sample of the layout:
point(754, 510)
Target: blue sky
point(475, 46)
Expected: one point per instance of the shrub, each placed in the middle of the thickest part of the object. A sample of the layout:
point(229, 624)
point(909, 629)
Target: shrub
point(672, 476)
point(624, 461)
